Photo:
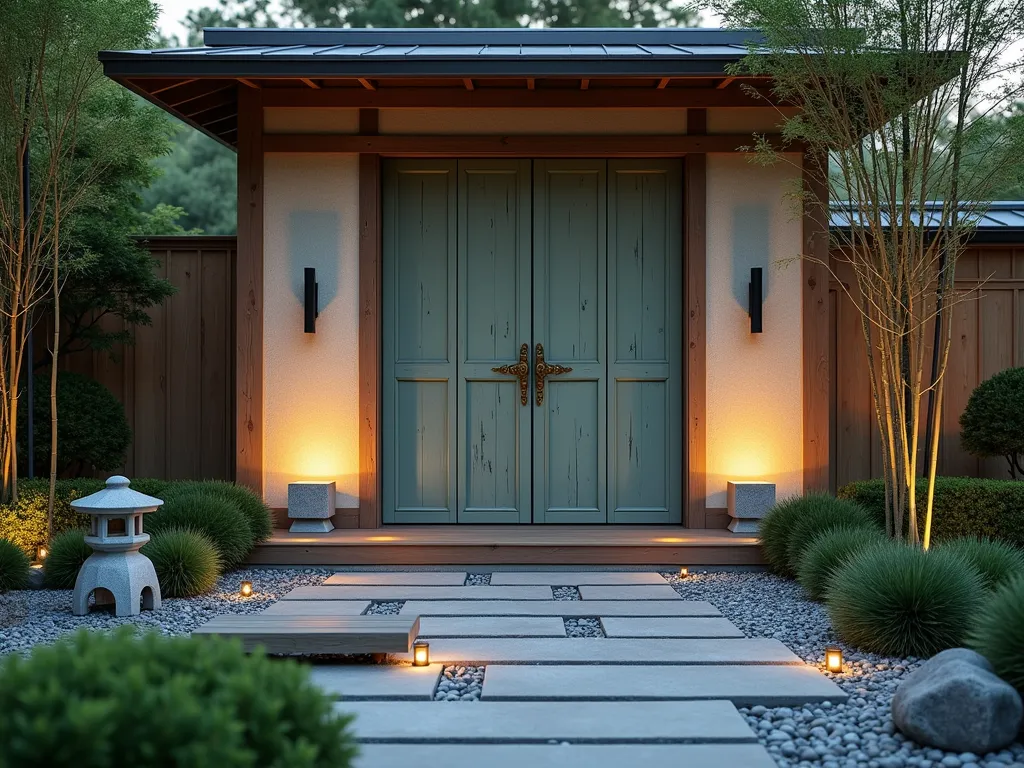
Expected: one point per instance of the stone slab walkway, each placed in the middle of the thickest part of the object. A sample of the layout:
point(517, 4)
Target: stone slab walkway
point(577, 578)
point(565, 608)
point(492, 626)
point(616, 626)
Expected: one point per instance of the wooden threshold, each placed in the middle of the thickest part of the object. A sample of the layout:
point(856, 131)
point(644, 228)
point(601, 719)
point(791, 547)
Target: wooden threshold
point(511, 545)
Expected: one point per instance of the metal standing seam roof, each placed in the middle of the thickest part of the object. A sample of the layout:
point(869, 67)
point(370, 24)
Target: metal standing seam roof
point(999, 221)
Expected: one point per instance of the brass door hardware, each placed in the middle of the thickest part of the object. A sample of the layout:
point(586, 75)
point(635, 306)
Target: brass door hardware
point(542, 370)
point(520, 370)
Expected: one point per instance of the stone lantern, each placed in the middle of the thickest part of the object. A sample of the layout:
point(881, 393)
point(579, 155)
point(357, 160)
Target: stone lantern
point(116, 572)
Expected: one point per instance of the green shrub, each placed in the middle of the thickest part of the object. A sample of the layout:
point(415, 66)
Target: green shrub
point(92, 431)
point(256, 513)
point(24, 522)
point(964, 506)
point(827, 551)
point(998, 634)
point(150, 486)
point(14, 566)
point(96, 700)
point(897, 600)
point(821, 513)
point(67, 553)
point(210, 514)
point(997, 561)
point(992, 424)
point(774, 532)
point(186, 562)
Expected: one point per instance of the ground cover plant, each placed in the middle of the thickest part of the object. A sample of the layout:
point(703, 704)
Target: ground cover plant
point(14, 566)
point(186, 562)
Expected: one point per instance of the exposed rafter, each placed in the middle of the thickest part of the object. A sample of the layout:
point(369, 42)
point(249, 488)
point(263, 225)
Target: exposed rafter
point(663, 83)
point(366, 84)
point(310, 83)
point(250, 83)
point(584, 84)
point(725, 83)
point(468, 82)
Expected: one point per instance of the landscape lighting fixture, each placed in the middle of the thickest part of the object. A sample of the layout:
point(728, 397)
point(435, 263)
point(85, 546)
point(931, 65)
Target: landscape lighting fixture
point(421, 653)
point(246, 590)
point(834, 659)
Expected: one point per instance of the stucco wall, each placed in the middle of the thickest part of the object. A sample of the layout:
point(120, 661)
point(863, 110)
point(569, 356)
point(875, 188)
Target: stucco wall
point(311, 381)
point(754, 395)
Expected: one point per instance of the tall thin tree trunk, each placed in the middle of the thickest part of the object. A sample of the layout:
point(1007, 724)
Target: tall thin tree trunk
point(53, 374)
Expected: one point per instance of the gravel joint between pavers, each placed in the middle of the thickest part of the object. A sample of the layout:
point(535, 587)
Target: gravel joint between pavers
point(586, 626)
point(566, 593)
point(460, 683)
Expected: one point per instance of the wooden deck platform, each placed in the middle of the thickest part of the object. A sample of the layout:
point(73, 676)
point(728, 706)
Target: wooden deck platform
point(511, 545)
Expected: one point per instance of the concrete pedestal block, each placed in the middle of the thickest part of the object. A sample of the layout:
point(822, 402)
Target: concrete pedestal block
point(126, 579)
point(748, 503)
point(311, 506)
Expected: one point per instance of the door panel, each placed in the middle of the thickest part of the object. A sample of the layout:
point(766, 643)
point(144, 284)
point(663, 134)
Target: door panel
point(494, 472)
point(569, 259)
point(419, 345)
point(645, 322)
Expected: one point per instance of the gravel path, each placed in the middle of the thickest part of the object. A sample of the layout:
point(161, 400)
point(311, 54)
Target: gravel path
point(460, 684)
point(857, 734)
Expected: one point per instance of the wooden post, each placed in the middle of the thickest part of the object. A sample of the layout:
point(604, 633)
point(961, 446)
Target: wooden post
point(815, 319)
point(695, 271)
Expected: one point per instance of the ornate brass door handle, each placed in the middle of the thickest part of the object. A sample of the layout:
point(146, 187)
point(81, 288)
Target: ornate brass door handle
point(542, 370)
point(520, 370)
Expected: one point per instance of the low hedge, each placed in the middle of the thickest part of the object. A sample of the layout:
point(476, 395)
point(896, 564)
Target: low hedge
point(964, 507)
point(24, 522)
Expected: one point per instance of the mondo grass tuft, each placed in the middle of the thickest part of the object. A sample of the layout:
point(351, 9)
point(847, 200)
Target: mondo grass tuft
point(186, 562)
point(823, 513)
point(897, 600)
point(827, 551)
point(14, 566)
point(210, 514)
point(256, 513)
point(998, 635)
point(774, 531)
point(67, 553)
point(997, 561)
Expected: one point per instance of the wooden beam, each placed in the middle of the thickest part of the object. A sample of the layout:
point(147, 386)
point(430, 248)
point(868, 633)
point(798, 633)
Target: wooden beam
point(250, 83)
point(584, 84)
point(468, 83)
point(695, 287)
point(200, 90)
point(367, 85)
point(661, 145)
point(249, 294)
point(369, 122)
point(178, 84)
point(663, 83)
point(815, 321)
point(510, 98)
point(531, 83)
point(725, 83)
point(370, 339)
point(310, 83)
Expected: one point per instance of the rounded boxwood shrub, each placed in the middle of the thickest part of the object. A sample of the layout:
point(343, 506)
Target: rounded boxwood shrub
point(827, 551)
point(898, 600)
point(992, 424)
point(14, 566)
point(186, 562)
point(209, 514)
point(998, 635)
point(821, 513)
point(256, 513)
point(997, 561)
point(774, 531)
point(67, 553)
point(185, 701)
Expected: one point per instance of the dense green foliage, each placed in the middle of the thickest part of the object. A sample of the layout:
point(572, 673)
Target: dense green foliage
point(827, 551)
point(210, 514)
point(68, 551)
point(992, 424)
point(898, 600)
point(151, 486)
point(964, 506)
point(998, 634)
point(823, 513)
point(256, 513)
point(775, 528)
point(24, 521)
point(186, 562)
point(997, 561)
point(14, 566)
point(97, 700)
point(92, 429)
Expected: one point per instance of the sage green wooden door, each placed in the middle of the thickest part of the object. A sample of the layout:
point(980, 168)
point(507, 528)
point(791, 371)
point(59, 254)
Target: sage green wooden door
point(580, 259)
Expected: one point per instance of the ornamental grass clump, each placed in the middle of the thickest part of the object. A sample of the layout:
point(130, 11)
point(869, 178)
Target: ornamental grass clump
point(823, 513)
point(67, 553)
point(997, 561)
point(256, 513)
point(775, 527)
point(898, 600)
point(186, 562)
point(96, 700)
point(827, 551)
point(998, 634)
point(211, 515)
point(14, 566)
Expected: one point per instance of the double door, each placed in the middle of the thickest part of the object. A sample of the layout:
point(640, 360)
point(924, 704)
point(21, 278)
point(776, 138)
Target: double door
point(532, 341)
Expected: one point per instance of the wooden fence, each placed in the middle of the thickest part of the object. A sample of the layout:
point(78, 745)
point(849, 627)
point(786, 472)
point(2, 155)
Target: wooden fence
point(177, 381)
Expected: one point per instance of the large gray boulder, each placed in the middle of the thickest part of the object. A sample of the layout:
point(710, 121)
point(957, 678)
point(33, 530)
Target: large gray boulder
point(955, 702)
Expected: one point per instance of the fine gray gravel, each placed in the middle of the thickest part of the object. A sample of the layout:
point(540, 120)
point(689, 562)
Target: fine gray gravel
point(565, 593)
point(857, 734)
point(459, 683)
point(384, 608)
point(478, 579)
point(583, 627)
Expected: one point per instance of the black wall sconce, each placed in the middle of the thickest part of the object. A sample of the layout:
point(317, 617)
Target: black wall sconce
point(312, 300)
point(755, 300)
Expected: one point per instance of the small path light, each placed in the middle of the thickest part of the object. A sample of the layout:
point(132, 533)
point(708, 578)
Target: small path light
point(421, 653)
point(246, 590)
point(41, 553)
point(684, 572)
point(834, 659)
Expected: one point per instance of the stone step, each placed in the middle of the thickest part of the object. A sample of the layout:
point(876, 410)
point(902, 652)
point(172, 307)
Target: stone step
point(492, 626)
point(317, 608)
point(541, 721)
point(377, 681)
point(565, 756)
point(412, 578)
point(617, 626)
point(642, 592)
point(399, 592)
point(588, 650)
point(574, 578)
point(567, 608)
point(743, 685)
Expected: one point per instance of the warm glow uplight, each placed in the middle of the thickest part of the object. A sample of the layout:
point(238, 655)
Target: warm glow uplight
point(670, 540)
point(41, 553)
point(684, 572)
point(834, 659)
point(382, 538)
point(421, 653)
point(246, 590)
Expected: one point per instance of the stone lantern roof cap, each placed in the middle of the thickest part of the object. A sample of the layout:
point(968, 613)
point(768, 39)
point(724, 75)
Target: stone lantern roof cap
point(116, 498)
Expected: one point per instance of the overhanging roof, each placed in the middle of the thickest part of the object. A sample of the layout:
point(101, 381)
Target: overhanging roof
point(998, 222)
